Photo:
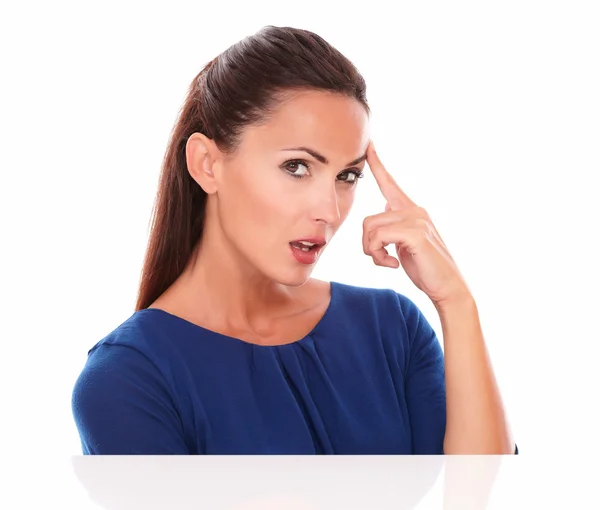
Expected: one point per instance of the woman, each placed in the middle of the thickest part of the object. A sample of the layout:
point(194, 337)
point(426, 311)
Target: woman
point(233, 348)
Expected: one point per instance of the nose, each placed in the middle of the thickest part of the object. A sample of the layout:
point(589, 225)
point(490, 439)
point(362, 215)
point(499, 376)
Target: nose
point(326, 206)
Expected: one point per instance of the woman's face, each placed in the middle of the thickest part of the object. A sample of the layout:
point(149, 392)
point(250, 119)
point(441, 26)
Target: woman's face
point(291, 178)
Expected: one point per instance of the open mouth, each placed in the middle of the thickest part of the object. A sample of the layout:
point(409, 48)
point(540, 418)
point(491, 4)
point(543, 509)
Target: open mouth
point(305, 246)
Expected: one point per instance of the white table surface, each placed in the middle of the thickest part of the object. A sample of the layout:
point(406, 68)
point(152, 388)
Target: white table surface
point(299, 482)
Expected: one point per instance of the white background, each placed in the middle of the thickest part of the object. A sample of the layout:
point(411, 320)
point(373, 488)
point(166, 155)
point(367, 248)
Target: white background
point(487, 114)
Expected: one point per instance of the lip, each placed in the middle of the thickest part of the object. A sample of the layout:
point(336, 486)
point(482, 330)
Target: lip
point(308, 257)
point(319, 241)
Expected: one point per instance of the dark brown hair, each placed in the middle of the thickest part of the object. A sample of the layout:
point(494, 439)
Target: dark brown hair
point(237, 88)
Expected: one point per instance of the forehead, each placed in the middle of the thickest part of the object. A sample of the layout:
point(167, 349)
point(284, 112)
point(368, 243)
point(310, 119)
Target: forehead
point(334, 124)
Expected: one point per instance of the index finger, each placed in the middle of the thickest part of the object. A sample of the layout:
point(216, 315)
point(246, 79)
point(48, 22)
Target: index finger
point(390, 189)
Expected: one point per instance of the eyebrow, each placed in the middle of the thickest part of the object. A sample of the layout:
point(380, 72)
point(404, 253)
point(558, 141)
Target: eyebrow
point(323, 159)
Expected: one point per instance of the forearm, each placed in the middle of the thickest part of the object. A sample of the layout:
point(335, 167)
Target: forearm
point(475, 418)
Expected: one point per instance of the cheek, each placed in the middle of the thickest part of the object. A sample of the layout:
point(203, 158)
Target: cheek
point(267, 196)
point(257, 202)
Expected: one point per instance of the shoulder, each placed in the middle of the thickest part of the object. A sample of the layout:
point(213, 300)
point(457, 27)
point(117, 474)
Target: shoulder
point(375, 301)
point(134, 357)
point(126, 398)
point(146, 330)
point(384, 313)
point(140, 343)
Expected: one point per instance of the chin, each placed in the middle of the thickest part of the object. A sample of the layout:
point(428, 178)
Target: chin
point(294, 280)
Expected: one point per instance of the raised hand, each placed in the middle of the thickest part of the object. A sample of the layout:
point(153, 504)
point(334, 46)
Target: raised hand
point(419, 247)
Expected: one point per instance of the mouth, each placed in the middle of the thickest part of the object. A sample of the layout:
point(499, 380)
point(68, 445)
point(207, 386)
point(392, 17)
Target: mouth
point(306, 251)
point(308, 246)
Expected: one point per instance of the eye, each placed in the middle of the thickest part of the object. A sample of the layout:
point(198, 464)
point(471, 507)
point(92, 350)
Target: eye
point(352, 176)
point(293, 165)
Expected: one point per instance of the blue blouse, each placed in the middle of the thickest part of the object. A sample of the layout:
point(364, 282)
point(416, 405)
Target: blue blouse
point(368, 379)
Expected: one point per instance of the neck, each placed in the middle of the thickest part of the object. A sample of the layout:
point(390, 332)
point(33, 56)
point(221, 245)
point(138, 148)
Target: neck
point(221, 285)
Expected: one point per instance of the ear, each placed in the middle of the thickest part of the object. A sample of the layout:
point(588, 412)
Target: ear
point(202, 156)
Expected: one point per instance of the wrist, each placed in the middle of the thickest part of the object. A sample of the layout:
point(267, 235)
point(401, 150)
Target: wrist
point(463, 302)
